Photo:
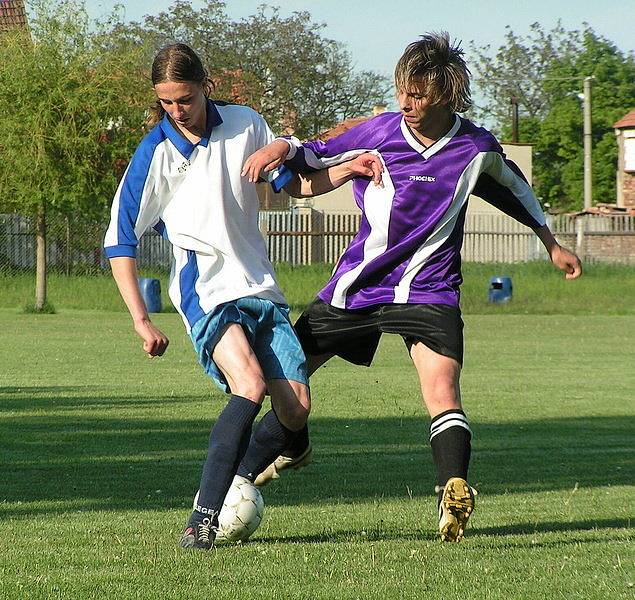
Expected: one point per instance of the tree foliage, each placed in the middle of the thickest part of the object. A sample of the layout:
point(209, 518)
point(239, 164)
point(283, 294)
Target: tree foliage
point(545, 72)
point(281, 66)
point(71, 112)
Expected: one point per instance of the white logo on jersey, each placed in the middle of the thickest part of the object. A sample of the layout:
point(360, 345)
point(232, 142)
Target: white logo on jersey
point(421, 178)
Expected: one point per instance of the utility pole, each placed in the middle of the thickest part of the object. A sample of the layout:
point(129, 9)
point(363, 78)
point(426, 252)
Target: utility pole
point(514, 103)
point(588, 173)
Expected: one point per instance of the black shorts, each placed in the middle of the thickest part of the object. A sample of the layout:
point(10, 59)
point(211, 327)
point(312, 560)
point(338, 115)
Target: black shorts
point(354, 334)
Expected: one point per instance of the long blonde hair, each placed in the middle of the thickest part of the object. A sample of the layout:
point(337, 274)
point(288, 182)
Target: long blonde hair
point(177, 63)
point(439, 67)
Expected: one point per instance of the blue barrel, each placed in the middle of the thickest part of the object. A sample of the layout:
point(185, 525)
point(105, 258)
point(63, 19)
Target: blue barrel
point(500, 289)
point(151, 292)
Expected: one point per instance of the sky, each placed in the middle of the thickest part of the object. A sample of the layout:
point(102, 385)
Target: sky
point(375, 32)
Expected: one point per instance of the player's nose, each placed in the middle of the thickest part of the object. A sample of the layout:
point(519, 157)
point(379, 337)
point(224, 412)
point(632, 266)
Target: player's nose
point(402, 101)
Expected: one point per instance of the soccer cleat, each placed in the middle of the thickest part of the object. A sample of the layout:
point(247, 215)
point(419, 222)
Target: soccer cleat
point(281, 463)
point(199, 535)
point(455, 508)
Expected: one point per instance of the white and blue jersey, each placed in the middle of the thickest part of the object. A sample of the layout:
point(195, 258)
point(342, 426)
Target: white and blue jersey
point(194, 195)
point(407, 250)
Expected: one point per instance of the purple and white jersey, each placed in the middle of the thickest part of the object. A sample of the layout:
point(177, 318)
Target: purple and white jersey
point(408, 246)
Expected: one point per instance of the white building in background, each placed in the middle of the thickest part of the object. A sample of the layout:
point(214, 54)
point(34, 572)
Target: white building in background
point(625, 133)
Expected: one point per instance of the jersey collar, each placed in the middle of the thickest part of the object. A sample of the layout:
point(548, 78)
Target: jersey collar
point(184, 146)
point(434, 148)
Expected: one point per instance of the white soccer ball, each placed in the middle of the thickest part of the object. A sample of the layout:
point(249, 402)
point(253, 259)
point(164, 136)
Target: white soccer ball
point(242, 511)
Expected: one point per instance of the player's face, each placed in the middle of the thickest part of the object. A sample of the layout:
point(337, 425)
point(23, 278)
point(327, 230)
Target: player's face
point(185, 102)
point(415, 107)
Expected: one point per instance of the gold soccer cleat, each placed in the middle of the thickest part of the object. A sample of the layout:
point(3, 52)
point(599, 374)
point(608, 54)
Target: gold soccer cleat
point(457, 504)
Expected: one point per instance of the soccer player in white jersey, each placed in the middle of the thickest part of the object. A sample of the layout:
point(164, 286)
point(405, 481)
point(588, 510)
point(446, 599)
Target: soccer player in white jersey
point(402, 271)
point(185, 181)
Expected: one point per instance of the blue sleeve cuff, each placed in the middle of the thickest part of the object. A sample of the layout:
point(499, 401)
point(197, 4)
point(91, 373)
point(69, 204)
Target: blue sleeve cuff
point(120, 250)
point(281, 178)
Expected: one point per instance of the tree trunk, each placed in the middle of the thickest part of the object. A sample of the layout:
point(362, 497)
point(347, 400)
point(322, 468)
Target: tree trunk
point(40, 258)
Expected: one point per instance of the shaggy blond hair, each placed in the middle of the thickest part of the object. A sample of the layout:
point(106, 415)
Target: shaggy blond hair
point(437, 65)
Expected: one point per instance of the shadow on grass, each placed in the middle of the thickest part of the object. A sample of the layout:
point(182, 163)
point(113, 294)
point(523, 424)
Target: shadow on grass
point(520, 529)
point(73, 461)
point(348, 536)
point(554, 527)
point(40, 390)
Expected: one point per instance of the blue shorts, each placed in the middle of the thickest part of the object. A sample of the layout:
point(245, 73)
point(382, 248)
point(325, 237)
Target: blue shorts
point(268, 330)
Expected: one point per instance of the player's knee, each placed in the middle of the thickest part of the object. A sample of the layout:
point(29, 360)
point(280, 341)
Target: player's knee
point(293, 409)
point(443, 394)
point(251, 386)
point(294, 417)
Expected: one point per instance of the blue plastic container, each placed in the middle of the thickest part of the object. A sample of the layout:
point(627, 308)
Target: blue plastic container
point(500, 289)
point(151, 292)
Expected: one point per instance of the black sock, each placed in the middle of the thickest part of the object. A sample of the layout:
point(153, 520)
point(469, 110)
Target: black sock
point(450, 438)
point(227, 444)
point(299, 444)
point(269, 439)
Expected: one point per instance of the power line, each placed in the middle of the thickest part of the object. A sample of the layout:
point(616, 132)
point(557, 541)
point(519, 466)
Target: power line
point(515, 79)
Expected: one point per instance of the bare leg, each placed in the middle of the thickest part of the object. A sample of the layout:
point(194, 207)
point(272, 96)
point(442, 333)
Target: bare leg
point(450, 438)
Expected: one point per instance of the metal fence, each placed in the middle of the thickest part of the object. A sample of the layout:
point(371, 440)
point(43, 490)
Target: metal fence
point(307, 236)
point(312, 236)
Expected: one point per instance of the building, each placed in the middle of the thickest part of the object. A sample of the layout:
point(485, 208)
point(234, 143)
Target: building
point(625, 133)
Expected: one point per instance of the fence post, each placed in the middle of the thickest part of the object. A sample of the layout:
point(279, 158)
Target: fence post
point(263, 225)
point(317, 241)
point(580, 225)
point(40, 253)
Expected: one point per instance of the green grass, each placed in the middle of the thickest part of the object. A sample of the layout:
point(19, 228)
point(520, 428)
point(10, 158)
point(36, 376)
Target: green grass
point(538, 289)
point(101, 450)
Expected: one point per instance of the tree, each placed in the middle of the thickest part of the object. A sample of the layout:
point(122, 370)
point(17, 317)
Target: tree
point(545, 72)
point(72, 111)
point(281, 66)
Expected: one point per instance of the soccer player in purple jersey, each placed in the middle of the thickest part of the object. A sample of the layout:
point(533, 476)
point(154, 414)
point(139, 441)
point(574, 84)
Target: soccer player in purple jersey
point(402, 271)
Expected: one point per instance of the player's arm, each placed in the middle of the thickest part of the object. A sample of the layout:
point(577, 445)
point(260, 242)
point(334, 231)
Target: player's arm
point(135, 208)
point(313, 155)
point(265, 160)
point(124, 271)
point(326, 180)
point(503, 185)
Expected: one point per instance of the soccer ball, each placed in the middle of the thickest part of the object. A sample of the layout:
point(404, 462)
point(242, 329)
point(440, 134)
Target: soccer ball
point(242, 511)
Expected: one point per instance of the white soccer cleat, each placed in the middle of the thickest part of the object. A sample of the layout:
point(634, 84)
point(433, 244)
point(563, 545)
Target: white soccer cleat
point(281, 463)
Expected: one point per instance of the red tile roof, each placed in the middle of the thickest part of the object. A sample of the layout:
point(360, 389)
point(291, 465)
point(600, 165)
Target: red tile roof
point(340, 128)
point(12, 14)
point(627, 120)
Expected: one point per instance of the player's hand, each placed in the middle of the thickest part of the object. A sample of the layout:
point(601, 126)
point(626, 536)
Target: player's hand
point(264, 160)
point(367, 165)
point(155, 342)
point(566, 261)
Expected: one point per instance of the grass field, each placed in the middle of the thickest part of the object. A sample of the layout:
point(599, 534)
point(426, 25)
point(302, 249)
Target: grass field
point(101, 450)
point(538, 289)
